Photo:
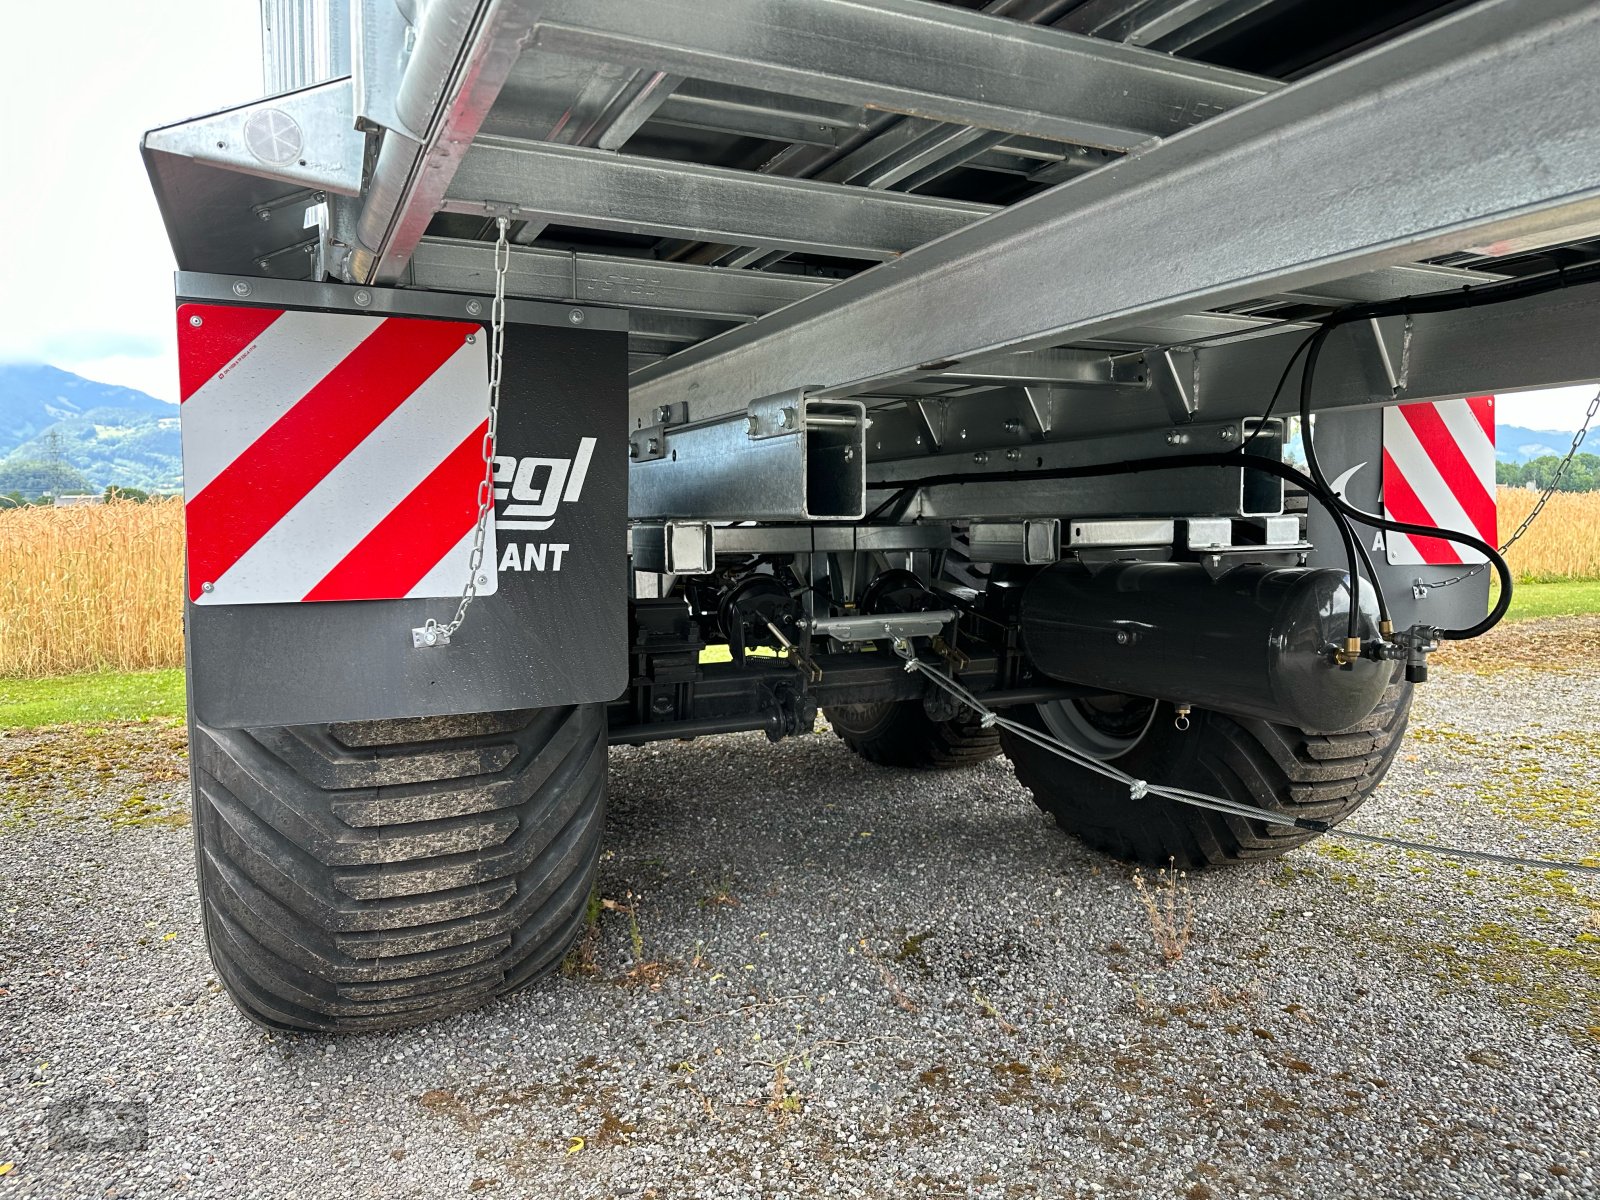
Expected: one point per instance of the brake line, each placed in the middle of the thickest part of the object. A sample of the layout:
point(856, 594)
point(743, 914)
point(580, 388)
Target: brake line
point(1139, 789)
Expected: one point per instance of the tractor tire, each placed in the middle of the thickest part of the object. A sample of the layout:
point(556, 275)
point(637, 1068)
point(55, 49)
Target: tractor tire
point(1324, 776)
point(383, 873)
point(902, 734)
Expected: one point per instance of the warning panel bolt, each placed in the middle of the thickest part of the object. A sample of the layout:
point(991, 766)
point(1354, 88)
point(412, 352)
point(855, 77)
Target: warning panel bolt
point(241, 288)
point(196, 322)
point(208, 586)
point(474, 308)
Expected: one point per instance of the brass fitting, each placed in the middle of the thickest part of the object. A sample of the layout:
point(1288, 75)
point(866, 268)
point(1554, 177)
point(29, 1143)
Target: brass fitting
point(1352, 647)
point(1386, 628)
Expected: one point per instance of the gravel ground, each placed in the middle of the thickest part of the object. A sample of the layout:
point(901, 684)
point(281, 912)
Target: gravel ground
point(841, 980)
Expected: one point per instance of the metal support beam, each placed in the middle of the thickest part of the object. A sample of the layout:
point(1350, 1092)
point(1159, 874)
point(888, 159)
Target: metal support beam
point(596, 189)
point(449, 265)
point(465, 49)
point(1342, 173)
point(937, 62)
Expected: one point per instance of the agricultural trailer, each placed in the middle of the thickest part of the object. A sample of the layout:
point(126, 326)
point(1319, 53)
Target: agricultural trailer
point(565, 374)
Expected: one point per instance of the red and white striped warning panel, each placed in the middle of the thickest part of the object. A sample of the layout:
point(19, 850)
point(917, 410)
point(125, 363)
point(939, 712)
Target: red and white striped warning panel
point(330, 456)
point(1438, 469)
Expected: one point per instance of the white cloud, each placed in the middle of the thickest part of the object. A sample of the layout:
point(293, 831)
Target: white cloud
point(88, 268)
point(1559, 409)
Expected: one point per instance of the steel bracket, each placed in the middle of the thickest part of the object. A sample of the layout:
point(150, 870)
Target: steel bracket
point(787, 459)
point(647, 444)
point(383, 40)
point(1393, 343)
point(675, 548)
point(874, 627)
point(776, 416)
point(305, 137)
point(1177, 382)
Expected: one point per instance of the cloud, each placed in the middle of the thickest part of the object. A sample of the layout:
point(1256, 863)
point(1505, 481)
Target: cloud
point(98, 288)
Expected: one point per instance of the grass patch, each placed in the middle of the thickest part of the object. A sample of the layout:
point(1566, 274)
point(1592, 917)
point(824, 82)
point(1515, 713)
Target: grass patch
point(1568, 598)
point(104, 696)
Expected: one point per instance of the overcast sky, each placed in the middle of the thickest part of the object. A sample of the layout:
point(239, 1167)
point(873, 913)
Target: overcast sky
point(88, 271)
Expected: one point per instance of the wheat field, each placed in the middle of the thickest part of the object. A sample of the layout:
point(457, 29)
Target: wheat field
point(1564, 543)
point(100, 587)
point(91, 588)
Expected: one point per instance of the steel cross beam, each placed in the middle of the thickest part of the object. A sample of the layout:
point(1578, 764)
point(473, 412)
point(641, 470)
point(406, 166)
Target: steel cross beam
point(573, 185)
point(902, 55)
point(1363, 166)
point(536, 273)
point(908, 56)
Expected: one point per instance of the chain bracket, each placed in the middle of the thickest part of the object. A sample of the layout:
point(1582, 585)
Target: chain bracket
point(431, 634)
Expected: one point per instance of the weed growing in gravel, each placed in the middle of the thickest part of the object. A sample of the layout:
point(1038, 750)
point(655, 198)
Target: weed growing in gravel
point(644, 972)
point(580, 959)
point(721, 893)
point(1170, 907)
point(986, 1006)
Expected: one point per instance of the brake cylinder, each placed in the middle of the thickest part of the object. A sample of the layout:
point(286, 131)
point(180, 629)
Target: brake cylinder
point(1255, 641)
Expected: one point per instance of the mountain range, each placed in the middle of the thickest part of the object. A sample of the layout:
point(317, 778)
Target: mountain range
point(110, 435)
point(1513, 443)
point(59, 426)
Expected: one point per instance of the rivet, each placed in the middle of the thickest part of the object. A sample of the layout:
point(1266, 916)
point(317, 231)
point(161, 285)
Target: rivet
point(241, 288)
point(575, 316)
point(196, 322)
point(362, 298)
point(474, 308)
point(208, 587)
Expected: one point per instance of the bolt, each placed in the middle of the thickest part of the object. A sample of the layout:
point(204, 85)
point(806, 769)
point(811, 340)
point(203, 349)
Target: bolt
point(196, 322)
point(363, 298)
point(241, 288)
point(261, 264)
point(474, 308)
point(633, 449)
point(919, 439)
point(1225, 434)
point(849, 453)
point(264, 214)
point(1013, 425)
point(431, 637)
point(208, 586)
point(1122, 637)
point(1174, 438)
point(483, 580)
point(654, 446)
point(664, 413)
point(1014, 454)
point(963, 434)
point(1418, 592)
point(981, 457)
point(752, 424)
point(786, 418)
point(472, 339)
point(575, 316)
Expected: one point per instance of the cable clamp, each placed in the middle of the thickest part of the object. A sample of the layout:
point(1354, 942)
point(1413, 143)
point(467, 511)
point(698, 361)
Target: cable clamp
point(987, 720)
point(1138, 789)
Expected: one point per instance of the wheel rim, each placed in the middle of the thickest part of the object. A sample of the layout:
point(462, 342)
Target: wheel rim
point(1103, 727)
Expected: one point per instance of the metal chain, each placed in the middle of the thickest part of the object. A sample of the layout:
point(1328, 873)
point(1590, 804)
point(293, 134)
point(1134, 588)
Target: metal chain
point(1544, 497)
point(432, 633)
point(1138, 789)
